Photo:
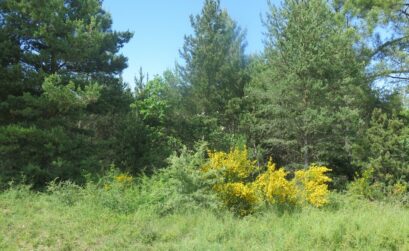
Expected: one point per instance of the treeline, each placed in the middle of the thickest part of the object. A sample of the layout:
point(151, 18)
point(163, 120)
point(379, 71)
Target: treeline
point(329, 88)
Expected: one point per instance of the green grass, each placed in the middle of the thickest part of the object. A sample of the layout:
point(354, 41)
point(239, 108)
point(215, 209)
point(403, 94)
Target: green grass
point(78, 219)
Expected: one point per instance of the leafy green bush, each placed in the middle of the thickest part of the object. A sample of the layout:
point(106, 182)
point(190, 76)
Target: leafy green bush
point(366, 186)
point(180, 187)
point(66, 192)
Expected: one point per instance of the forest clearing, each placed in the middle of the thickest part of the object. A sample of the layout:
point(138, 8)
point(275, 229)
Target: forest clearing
point(303, 145)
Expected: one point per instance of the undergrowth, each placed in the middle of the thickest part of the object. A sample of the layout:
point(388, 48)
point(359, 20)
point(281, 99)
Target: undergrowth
point(179, 208)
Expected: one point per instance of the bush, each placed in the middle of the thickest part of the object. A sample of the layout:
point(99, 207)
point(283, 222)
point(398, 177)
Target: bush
point(180, 187)
point(275, 187)
point(239, 197)
point(242, 190)
point(192, 182)
point(66, 192)
point(235, 171)
point(312, 185)
point(368, 187)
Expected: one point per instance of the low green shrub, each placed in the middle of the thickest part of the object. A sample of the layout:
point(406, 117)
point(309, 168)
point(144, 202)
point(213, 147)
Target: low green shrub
point(180, 187)
point(367, 187)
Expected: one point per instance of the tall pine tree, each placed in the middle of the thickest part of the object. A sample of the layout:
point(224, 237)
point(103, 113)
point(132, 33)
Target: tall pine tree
point(214, 60)
point(59, 77)
point(308, 97)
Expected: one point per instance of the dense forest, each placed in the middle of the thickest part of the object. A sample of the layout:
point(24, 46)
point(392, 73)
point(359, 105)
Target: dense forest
point(325, 105)
point(329, 88)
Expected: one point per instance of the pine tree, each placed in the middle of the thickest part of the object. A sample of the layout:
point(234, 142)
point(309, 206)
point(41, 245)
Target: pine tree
point(383, 38)
point(383, 149)
point(59, 83)
point(214, 60)
point(308, 97)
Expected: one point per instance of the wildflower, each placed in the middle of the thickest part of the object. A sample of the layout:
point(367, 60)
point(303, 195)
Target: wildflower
point(124, 179)
point(399, 188)
point(107, 187)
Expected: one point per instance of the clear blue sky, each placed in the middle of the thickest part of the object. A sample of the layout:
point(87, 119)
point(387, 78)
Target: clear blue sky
point(160, 25)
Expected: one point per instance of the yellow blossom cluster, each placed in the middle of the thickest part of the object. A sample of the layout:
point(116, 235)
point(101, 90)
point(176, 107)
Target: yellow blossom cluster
point(124, 178)
point(241, 193)
point(235, 164)
point(238, 196)
point(235, 168)
point(275, 187)
point(312, 185)
point(121, 180)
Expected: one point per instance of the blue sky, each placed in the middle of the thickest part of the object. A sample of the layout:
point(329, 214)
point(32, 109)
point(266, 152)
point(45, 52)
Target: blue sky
point(160, 25)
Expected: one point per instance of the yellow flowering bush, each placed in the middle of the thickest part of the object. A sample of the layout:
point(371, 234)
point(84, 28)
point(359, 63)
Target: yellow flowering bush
point(239, 197)
point(235, 168)
point(312, 185)
point(235, 164)
point(241, 193)
point(275, 187)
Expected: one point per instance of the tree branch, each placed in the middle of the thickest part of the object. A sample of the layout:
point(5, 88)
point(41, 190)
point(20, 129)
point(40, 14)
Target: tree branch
point(397, 77)
point(389, 74)
point(387, 44)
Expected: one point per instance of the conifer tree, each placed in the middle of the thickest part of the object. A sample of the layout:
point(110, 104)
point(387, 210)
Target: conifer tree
point(58, 83)
point(308, 99)
point(214, 60)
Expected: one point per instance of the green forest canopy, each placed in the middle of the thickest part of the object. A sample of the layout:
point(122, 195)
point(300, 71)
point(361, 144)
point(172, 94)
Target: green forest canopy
point(312, 96)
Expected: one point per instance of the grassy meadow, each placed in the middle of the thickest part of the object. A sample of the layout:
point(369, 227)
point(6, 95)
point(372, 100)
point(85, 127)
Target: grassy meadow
point(73, 218)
